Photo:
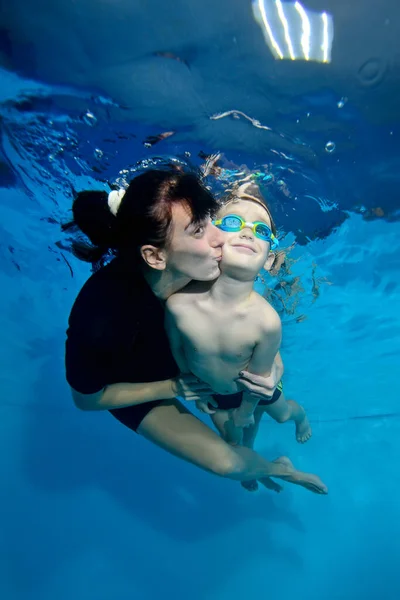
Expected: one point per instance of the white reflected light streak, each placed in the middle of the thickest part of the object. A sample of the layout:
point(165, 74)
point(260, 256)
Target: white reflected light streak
point(263, 14)
point(305, 38)
point(325, 42)
point(294, 32)
point(285, 26)
point(235, 113)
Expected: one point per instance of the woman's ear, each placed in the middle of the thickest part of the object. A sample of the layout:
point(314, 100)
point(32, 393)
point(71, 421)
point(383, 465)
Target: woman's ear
point(154, 257)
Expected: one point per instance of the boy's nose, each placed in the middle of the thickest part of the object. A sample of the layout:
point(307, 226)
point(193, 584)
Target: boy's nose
point(247, 233)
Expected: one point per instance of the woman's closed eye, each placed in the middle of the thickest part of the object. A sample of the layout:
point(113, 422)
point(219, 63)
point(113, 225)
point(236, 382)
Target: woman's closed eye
point(199, 231)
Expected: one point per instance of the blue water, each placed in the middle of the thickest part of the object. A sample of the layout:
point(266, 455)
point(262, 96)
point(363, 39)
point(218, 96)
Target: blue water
point(91, 511)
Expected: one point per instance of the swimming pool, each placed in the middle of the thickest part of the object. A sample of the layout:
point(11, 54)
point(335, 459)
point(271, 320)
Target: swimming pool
point(88, 509)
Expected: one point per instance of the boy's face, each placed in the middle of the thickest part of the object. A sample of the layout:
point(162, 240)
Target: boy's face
point(244, 254)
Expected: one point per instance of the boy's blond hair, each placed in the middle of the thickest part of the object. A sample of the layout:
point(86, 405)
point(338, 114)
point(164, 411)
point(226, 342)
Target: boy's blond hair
point(248, 190)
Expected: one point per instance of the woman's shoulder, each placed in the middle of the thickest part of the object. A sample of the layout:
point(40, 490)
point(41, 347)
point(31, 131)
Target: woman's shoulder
point(106, 291)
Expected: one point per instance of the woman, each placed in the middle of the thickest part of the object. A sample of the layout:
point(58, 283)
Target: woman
point(117, 353)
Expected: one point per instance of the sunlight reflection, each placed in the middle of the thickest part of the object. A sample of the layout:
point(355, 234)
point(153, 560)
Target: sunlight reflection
point(293, 32)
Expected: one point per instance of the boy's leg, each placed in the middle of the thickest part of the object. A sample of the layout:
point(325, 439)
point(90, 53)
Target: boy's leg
point(249, 435)
point(222, 421)
point(288, 410)
point(234, 436)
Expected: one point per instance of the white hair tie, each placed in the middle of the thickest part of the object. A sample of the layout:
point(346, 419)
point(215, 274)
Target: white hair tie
point(114, 200)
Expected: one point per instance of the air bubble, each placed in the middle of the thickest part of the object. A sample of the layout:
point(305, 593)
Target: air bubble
point(342, 102)
point(89, 119)
point(330, 147)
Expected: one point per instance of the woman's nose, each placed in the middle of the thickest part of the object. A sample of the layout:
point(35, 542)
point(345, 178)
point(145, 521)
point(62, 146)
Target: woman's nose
point(217, 237)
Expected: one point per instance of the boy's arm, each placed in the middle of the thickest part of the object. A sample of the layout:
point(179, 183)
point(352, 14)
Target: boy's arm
point(266, 350)
point(263, 357)
point(175, 340)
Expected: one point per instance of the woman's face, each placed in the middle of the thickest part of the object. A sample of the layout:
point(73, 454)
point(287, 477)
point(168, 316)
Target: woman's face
point(195, 249)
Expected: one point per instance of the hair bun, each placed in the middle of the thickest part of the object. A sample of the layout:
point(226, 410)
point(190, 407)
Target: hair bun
point(93, 216)
point(114, 200)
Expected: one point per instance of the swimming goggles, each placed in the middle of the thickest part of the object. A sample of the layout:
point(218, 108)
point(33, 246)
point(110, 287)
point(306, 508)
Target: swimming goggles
point(236, 223)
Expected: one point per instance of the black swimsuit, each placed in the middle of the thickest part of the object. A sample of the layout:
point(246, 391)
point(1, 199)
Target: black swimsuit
point(116, 335)
point(230, 401)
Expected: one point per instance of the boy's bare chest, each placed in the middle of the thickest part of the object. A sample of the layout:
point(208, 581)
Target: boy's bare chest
point(227, 333)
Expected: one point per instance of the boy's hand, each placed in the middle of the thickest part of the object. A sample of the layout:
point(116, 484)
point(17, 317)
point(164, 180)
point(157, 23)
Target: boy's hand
point(241, 419)
point(258, 386)
point(190, 388)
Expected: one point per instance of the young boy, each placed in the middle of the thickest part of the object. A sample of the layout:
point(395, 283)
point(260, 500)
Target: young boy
point(220, 328)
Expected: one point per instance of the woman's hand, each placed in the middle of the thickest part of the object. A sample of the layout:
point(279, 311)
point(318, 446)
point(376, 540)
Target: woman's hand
point(190, 388)
point(207, 405)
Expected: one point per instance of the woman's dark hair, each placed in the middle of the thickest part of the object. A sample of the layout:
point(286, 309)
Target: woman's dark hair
point(144, 215)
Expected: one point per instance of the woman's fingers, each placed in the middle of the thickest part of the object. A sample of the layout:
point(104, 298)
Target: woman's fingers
point(247, 385)
point(207, 410)
point(204, 407)
point(193, 382)
point(202, 390)
point(213, 402)
point(256, 383)
point(190, 379)
point(255, 390)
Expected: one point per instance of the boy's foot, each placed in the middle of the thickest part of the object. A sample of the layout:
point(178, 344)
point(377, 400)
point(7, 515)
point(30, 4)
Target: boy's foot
point(270, 484)
point(310, 482)
point(303, 430)
point(250, 486)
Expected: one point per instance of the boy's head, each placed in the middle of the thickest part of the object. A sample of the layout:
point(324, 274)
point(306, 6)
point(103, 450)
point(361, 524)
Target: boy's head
point(249, 233)
point(249, 190)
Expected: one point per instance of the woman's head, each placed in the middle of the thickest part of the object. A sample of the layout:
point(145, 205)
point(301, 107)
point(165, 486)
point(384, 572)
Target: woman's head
point(163, 217)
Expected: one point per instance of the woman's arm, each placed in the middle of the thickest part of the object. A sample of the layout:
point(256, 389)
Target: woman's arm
point(121, 395)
